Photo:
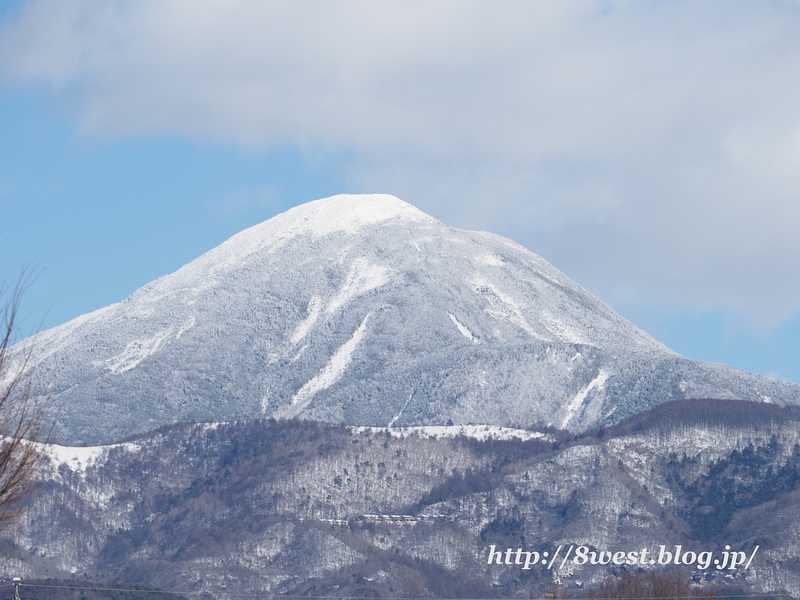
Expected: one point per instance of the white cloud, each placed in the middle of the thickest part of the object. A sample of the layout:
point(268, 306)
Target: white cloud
point(651, 149)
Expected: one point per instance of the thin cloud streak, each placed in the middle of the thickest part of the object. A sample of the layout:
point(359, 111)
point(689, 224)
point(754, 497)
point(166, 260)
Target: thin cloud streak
point(651, 150)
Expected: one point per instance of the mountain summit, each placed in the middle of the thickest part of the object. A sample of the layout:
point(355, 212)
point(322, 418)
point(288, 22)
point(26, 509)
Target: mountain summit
point(364, 310)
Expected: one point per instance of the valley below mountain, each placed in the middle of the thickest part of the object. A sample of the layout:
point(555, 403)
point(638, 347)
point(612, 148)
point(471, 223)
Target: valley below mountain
point(304, 508)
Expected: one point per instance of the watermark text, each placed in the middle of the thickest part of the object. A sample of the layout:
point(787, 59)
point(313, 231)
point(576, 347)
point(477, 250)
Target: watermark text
point(573, 554)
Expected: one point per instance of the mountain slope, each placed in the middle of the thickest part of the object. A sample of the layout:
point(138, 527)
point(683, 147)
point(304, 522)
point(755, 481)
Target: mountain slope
point(364, 310)
point(302, 508)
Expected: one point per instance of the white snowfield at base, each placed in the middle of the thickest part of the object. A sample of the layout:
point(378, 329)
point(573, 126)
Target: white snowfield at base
point(478, 432)
point(79, 458)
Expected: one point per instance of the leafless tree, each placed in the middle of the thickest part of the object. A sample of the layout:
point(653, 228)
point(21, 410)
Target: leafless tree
point(21, 418)
point(671, 585)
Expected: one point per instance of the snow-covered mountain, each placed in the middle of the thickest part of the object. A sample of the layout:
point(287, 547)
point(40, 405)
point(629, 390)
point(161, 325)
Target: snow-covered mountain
point(364, 310)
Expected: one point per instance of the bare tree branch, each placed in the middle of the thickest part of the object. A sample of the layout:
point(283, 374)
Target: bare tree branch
point(21, 419)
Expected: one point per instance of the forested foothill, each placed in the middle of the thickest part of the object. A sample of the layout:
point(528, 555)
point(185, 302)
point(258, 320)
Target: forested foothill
point(307, 508)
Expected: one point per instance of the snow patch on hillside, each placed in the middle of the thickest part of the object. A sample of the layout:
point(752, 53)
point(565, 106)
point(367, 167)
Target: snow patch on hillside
point(136, 351)
point(478, 432)
point(504, 307)
point(561, 330)
point(361, 278)
point(490, 259)
point(575, 404)
point(78, 459)
point(305, 326)
point(462, 328)
point(329, 375)
point(188, 324)
point(402, 410)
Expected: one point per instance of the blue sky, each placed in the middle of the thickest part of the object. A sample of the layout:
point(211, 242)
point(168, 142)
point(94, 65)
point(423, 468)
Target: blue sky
point(650, 150)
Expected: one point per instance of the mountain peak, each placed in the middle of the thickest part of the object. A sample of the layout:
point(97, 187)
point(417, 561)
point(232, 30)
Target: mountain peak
point(343, 213)
point(348, 212)
point(363, 309)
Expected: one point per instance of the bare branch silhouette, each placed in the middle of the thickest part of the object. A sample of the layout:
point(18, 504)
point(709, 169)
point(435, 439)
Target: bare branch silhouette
point(21, 418)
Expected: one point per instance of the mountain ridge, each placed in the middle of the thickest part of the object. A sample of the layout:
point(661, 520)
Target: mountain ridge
point(364, 310)
point(272, 507)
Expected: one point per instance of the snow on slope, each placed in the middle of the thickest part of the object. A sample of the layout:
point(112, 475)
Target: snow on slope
point(273, 322)
point(502, 306)
point(329, 375)
point(136, 351)
point(361, 278)
point(571, 410)
point(478, 432)
point(340, 214)
point(78, 459)
point(305, 326)
point(462, 328)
